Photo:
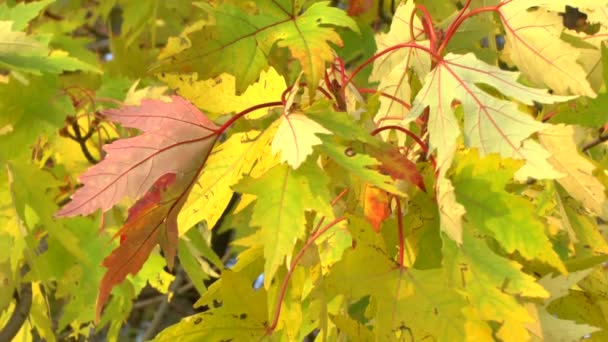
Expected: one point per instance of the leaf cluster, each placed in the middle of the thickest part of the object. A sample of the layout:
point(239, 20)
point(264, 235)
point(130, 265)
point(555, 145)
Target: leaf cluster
point(383, 171)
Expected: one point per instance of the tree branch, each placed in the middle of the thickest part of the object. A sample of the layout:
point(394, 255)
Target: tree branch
point(163, 307)
point(22, 310)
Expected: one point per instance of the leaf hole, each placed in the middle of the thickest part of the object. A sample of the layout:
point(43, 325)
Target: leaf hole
point(350, 152)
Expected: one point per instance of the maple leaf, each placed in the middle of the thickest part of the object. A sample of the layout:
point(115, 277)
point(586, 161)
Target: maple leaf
point(584, 233)
point(397, 165)
point(488, 281)
point(295, 137)
point(491, 124)
point(177, 139)
point(548, 325)
point(511, 220)
point(243, 315)
point(375, 206)
point(283, 197)
point(392, 69)
point(538, 50)
point(242, 153)
point(218, 95)
point(31, 54)
point(160, 166)
point(450, 211)
point(431, 308)
point(149, 222)
point(561, 141)
point(242, 50)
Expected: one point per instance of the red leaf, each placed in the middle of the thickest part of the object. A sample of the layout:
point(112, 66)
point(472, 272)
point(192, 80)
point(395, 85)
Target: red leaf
point(357, 7)
point(160, 166)
point(177, 139)
point(148, 217)
point(375, 206)
point(398, 166)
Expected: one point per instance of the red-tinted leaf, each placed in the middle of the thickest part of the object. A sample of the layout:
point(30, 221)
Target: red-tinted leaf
point(398, 166)
point(357, 7)
point(160, 166)
point(177, 139)
point(375, 206)
point(148, 218)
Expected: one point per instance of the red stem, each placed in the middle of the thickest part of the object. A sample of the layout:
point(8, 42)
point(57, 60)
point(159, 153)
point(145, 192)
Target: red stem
point(340, 195)
point(373, 91)
point(461, 18)
point(427, 24)
point(384, 52)
point(549, 115)
point(303, 84)
point(410, 134)
point(452, 28)
point(294, 263)
point(400, 232)
point(342, 70)
point(227, 124)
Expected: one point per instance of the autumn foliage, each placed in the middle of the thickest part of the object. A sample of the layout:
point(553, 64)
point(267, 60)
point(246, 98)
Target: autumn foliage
point(414, 170)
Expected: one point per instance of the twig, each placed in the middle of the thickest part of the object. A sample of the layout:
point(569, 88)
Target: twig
point(595, 142)
point(152, 300)
point(163, 307)
point(22, 310)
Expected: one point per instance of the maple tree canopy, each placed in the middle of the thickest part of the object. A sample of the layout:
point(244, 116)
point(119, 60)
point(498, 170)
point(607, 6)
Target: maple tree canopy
point(304, 170)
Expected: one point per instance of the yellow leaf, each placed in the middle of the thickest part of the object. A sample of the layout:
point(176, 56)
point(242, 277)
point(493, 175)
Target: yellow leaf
point(218, 95)
point(296, 136)
point(134, 95)
point(398, 34)
point(579, 181)
point(450, 211)
point(392, 70)
point(241, 154)
point(538, 51)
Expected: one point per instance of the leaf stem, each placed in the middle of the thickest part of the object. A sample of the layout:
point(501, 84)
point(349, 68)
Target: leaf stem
point(462, 17)
point(394, 98)
point(410, 134)
point(384, 52)
point(400, 231)
point(427, 24)
point(342, 70)
point(227, 124)
point(293, 265)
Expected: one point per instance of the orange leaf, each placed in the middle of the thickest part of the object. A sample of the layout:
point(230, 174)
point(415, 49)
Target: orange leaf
point(152, 220)
point(375, 206)
point(159, 167)
point(398, 166)
point(357, 7)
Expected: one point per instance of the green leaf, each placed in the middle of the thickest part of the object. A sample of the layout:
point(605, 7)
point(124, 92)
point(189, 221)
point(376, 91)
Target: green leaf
point(14, 42)
point(283, 197)
point(511, 220)
point(22, 13)
point(339, 123)
point(409, 302)
point(242, 50)
point(353, 329)
point(243, 315)
point(583, 112)
point(489, 281)
point(357, 163)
